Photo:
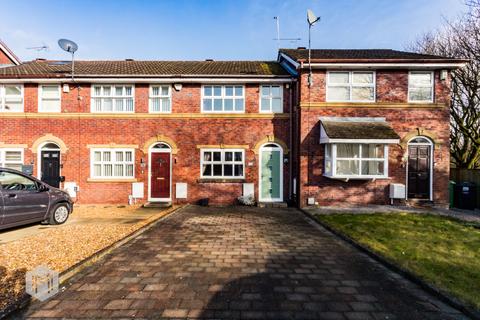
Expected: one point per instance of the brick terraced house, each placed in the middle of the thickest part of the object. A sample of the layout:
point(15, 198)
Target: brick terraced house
point(182, 131)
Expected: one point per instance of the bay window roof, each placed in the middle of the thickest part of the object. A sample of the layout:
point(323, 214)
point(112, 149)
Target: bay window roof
point(357, 130)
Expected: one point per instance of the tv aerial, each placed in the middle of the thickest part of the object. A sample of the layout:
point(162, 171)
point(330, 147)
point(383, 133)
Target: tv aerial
point(311, 19)
point(38, 49)
point(278, 39)
point(71, 47)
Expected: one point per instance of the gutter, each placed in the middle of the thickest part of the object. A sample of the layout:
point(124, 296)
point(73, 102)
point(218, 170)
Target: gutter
point(146, 80)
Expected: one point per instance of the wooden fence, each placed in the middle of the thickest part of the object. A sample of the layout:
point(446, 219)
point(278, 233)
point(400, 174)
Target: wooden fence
point(470, 175)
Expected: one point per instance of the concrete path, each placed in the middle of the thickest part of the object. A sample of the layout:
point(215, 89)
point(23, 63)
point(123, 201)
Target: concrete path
point(246, 263)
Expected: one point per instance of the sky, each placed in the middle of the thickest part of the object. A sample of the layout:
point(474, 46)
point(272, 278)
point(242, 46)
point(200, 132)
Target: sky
point(220, 30)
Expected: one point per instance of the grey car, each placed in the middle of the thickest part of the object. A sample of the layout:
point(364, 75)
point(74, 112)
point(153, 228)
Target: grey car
point(25, 199)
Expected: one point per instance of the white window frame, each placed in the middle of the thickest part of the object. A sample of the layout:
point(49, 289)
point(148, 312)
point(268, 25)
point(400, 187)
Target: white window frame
point(3, 161)
point(112, 161)
point(223, 97)
point(432, 86)
point(113, 97)
point(333, 158)
point(151, 97)
point(222, 162)
point(351, 85)
point(3, 97)
point(270, 98)
point(40, 98)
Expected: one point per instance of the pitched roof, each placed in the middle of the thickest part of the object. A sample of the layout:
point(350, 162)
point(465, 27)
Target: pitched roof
point(9, 53)
point(358, 130)
point(357, 55)
point(132, 68)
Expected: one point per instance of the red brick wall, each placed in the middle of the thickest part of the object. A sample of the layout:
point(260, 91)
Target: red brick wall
point(187, 133)
point(4, 59)
point(392, 86)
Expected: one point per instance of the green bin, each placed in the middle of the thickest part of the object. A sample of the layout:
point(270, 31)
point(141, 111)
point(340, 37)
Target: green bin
point(451, 192)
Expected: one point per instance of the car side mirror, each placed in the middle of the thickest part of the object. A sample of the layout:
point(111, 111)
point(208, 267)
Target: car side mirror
point(43, 188)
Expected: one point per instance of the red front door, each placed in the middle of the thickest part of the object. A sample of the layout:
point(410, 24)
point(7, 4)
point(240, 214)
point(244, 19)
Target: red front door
point(160, 178)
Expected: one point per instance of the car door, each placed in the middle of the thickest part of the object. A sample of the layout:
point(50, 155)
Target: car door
point(22, 198)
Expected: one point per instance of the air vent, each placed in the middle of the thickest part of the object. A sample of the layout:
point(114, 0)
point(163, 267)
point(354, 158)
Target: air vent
point(208, 59)
point(302, 48)
point(129, 59)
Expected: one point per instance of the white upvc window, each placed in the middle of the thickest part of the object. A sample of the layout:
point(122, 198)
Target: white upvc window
point(351, 86)
point(420, 86)
point(112, 163)
point(11, 158)
point(49, 98)
point(112, 98)
point(222, 163)
point(223, 99)
point(11, 98)
point(356, 161)
point(271, 98)
point(160, 99)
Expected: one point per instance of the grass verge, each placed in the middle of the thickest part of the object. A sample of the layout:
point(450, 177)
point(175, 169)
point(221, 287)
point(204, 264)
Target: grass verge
point(440, 250)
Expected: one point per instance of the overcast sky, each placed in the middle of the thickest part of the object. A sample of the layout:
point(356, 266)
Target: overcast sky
point(222, 30)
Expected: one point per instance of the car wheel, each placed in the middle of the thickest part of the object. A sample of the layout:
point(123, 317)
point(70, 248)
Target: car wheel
point(59, 214)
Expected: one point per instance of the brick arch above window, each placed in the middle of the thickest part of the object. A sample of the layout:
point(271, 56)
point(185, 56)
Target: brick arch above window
point(49, 138)
point(437, 142)
point(271, 139)
point(160, 138)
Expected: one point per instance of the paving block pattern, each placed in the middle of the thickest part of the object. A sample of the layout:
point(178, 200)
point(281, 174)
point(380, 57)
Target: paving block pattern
point(240, 263)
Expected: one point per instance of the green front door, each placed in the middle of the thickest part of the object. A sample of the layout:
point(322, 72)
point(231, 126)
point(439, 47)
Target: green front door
point(270, 188)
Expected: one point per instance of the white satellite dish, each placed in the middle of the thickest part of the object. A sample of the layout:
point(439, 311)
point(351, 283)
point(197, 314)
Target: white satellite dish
point(311, 17)
point(69, 46)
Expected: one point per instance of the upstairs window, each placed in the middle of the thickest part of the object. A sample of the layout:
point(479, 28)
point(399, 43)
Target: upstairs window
point(271, 98)
point(160, 99)
point(351, 86)
point(11, 158)
point(112, 98)
point(11, 98)
point(356, 161)
point(112, 163)
point(222, 163)
point(223, 99)
point(49, 98)
point(420, 86)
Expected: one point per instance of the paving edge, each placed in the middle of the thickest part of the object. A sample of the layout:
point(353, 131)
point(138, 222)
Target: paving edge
point(435, 291)
point(70, 272)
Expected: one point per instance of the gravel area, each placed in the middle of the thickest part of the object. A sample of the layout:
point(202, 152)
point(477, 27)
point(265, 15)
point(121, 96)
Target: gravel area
point(89, 229)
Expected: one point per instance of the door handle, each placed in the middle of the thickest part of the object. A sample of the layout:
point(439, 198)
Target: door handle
point(160, 178)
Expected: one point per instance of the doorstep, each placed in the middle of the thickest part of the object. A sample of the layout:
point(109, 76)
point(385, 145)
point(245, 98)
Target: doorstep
point(158, 204)
point(272, 205)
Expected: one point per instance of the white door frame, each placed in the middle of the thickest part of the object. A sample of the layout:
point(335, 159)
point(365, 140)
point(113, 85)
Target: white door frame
point(151, 150)
point(39, 157)
point(265, 148)
point(430, 145)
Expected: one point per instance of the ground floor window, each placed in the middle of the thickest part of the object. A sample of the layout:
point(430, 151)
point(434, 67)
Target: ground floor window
point(112, 163)
point(354, 160)
point(11, 158)
point(222, 163)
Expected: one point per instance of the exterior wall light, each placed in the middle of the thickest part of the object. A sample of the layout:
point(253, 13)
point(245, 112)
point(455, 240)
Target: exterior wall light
point(177, 86)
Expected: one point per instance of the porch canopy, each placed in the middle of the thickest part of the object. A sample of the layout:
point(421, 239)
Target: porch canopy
point(356, 130)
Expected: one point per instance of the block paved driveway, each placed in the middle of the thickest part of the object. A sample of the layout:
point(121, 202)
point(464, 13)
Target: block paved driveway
point(240, 263)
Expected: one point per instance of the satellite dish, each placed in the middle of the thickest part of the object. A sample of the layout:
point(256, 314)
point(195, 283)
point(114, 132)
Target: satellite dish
point(311, 17)
point(68, 45)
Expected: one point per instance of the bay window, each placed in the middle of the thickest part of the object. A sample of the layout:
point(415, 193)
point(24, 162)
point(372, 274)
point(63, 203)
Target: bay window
point(11, 98)
point(223, 99)
point(112, 163)
point(222, 163)
point(112, 98)
point(420, 86)
point(49, 98)
point(356, 161)
point(160, 99)
point(271, 98)
point(11, 158)
point(351, 86)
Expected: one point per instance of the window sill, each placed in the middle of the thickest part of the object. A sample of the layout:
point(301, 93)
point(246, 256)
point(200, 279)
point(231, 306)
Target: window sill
point(219, 180)
point(111, 180)
point(347, 178)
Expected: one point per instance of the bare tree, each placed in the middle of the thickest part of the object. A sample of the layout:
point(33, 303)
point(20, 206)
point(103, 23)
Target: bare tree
point(461, 39)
